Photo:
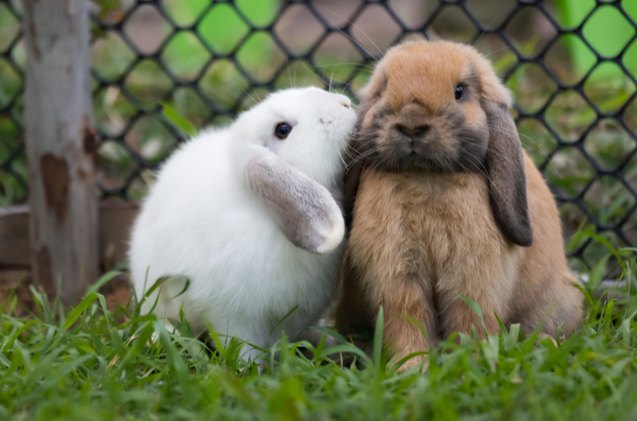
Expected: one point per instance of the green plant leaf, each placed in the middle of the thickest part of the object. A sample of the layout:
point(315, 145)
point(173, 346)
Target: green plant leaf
point(176, 119)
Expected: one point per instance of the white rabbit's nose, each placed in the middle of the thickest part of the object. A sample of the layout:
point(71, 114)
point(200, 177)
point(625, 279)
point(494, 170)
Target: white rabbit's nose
point(344, 101)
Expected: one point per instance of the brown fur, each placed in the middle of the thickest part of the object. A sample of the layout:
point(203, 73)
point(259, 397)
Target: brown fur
point(425, 232)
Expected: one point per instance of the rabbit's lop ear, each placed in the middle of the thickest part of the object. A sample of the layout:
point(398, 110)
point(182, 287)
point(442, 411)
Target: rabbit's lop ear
point(507, 180)
point(305, 211)
point(350, 189)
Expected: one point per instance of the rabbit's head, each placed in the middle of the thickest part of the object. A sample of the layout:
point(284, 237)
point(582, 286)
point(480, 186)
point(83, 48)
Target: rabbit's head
point(439, 107)
point(307, 128)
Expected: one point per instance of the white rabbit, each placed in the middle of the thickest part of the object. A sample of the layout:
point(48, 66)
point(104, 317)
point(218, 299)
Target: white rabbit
point(248, 215)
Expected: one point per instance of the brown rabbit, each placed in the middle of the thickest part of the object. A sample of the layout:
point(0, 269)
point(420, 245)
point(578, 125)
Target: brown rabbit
point(445, 204)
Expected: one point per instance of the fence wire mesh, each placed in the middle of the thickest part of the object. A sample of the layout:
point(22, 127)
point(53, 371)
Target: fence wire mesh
point(160, 67)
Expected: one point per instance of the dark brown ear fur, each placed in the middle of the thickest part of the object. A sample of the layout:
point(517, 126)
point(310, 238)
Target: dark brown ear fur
point(350, 189)
point(354, 166)
point(507, 180)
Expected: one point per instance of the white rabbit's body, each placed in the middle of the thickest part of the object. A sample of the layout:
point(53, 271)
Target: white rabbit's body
point(201, 220)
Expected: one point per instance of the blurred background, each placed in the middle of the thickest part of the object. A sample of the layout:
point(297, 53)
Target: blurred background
point(162, 69)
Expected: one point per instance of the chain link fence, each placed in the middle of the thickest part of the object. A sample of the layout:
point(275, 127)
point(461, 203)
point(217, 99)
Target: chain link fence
point(162, 67)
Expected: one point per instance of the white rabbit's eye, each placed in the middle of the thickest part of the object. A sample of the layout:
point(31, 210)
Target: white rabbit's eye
point(458, 91)
point(282, 130)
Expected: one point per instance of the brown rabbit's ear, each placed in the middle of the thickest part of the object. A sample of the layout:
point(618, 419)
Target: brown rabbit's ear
point(350, 190)
point(355, 161)
point(507, 180)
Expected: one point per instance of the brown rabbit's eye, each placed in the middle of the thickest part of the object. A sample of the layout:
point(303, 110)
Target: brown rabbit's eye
point(458, 91)
point(282, 130)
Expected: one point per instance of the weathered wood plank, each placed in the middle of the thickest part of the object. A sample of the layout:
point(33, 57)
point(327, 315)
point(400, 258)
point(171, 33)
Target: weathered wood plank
point(115, 221)
point(14, 237)
point(61, 147)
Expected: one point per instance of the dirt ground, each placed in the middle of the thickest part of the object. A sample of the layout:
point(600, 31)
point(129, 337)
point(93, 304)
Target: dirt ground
point(17, 283)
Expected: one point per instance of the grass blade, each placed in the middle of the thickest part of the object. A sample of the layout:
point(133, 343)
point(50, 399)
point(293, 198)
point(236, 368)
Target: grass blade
point(378, 340)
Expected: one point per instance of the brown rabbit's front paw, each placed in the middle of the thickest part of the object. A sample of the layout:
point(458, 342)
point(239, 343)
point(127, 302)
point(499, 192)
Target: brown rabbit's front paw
point(545, 336)
point(408, 344)
point(418, 362)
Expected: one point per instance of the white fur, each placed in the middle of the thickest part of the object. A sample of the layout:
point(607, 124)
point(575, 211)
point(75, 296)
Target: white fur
point(200, 220)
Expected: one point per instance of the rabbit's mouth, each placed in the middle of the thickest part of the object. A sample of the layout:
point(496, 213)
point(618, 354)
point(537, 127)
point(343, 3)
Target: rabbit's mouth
point(427, 154)
point(435, 148)
point(415, 161)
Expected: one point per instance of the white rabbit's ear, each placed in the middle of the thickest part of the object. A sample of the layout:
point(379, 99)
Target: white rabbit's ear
point(305, 211)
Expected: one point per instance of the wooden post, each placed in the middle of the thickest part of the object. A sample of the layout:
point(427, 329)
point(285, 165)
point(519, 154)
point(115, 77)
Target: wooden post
point(61, 147)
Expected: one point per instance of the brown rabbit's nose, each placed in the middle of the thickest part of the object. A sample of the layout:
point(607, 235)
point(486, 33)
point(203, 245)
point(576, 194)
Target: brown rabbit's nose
point(412, 131)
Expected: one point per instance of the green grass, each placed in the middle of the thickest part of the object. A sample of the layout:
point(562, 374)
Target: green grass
point(92, 363)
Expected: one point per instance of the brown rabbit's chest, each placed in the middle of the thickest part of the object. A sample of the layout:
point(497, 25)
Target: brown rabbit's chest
point(417, 225)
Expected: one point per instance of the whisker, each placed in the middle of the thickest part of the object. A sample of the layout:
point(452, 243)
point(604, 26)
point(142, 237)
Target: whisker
point(353, 25)
point(360, 157)
point(362, 65)
point(495, 18)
